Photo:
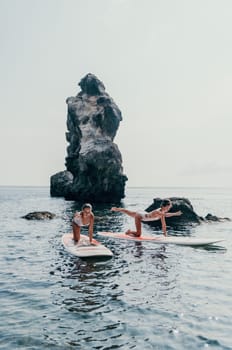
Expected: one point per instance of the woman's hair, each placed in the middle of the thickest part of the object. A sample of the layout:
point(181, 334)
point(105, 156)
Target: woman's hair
point(86, 205)
point(165, 203)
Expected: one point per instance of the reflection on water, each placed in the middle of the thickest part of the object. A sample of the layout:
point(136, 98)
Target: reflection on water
point(214, 248)
point(113, 292)
point(146, 297)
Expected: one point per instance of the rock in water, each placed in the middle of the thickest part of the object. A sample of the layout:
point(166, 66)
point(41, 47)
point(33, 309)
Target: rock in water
point(94, 163)
point(39, 215)
point(188, 217)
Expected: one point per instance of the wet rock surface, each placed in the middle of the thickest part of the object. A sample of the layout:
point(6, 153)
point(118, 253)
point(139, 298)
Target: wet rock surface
point(39, 215)
point(94, 163)
point(188, 217)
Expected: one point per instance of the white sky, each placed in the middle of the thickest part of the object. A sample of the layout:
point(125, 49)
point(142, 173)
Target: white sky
point(166, 63)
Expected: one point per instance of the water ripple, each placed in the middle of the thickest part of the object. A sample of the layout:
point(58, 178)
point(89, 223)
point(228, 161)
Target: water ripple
point(145, 297)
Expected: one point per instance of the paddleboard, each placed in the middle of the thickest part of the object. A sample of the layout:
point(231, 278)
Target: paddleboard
point(83, 249)
point(188, 241)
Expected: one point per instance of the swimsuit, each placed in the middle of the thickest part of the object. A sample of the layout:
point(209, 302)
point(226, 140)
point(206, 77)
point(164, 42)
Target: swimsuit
point(142, 213)
point(78, 221)
point(144, 216)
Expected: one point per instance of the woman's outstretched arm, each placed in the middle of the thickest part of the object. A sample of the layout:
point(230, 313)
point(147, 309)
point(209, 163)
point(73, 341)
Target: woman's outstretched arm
point(163, 223)
point(177, 213)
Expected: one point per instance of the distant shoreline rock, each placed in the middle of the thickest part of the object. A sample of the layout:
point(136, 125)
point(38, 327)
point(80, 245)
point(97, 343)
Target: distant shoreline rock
point(94, 170)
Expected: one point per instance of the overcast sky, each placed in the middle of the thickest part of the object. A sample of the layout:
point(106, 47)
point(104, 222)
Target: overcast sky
point(166, 63)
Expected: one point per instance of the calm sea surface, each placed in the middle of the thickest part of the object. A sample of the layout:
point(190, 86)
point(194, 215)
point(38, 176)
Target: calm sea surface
point(145, 297)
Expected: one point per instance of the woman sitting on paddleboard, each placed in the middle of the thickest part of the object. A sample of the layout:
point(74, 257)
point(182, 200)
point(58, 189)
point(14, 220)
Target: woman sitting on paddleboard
point(156, 214)
point(83, 218)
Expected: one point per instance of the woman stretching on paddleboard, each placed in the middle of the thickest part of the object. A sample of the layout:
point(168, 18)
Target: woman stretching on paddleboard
point(83, 218)
point(156, 214)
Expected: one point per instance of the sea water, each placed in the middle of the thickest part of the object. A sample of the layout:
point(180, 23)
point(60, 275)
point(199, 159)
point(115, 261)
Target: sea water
point(145, 297)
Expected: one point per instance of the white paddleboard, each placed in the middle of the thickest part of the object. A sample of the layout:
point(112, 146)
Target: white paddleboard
point(188, 241)
point(83, 249)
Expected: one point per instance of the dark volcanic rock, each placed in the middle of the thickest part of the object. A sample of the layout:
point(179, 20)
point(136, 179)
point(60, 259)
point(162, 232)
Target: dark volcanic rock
point(188, 217)
point(60, 183)
point(93, 160)
point(210, 217)
point(188, 214)
point(39, 215)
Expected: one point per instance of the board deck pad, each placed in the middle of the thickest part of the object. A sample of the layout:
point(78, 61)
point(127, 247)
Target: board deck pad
point(84, 249)
point(188, 241)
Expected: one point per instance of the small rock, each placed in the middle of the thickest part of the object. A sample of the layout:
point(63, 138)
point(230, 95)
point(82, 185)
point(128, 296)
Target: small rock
point(39, 215)
point(210, 217)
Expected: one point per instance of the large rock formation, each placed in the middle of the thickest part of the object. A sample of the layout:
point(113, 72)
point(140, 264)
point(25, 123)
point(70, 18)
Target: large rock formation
point(188, 217)
point(94, 163)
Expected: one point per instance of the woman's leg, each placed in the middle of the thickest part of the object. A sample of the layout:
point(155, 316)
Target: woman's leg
point(125, 211)
point(138, 226)
point(76, 232)
point(136, 216)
